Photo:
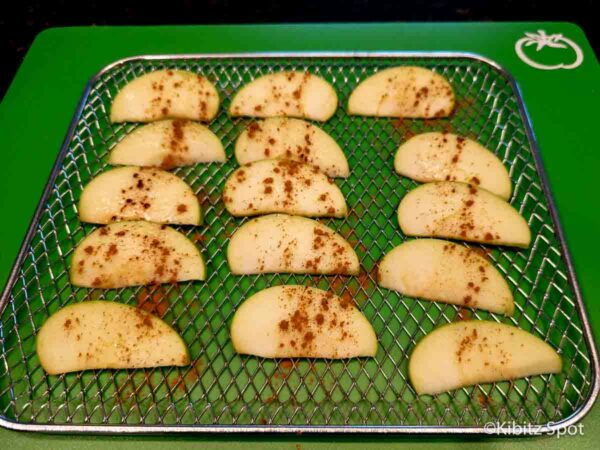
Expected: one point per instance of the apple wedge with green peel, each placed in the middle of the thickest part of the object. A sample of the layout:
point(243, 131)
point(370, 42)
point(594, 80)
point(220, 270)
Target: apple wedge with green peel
point(282, 186)
point(301, 322)
point(474, 352)
point(135, 253)
point(107, 335)
point(407, 92)
point(439, 156)
point(139, 193)
point(289, 94)
point(166, 94)
point(454, 210)
point(293, 139)
point(168, 144)
point(437, 270)
point(279, 243)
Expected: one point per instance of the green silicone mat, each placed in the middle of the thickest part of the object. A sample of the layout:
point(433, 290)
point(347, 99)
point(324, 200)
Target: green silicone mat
point(222, 391)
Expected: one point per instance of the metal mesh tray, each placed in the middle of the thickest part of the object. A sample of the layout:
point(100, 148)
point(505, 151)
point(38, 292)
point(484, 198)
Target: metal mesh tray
point(222, 391)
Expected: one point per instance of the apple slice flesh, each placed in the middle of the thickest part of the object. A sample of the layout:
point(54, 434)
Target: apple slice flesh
point(301, 322)
point(443, 271)
point(168, 144)
point(439, 156)
point(460, 211)
point(139, 193)
point(166, 94)
point(291, 94)
point(289, 244)
point(282, 186)
point(107, 335)
point(411, 92)
point(135, 253)
point(473, 352)
point(292, 139)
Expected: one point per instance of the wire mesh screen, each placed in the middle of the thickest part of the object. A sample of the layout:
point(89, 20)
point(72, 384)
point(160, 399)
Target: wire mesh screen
point(221, 388)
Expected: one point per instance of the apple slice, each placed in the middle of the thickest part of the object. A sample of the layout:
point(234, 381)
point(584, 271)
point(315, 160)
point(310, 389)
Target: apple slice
point(411, 92)
point(439, 156)
point(168, 144)
point(135, 253)
point(301, 322)
point(438, 270)
point(473, 352)
point(131, 193)
point(107, 335)
point(292, 139)
point(293, 94)
point(164, 94)
point(290, 244)
point(461, 211)
point(277, 185)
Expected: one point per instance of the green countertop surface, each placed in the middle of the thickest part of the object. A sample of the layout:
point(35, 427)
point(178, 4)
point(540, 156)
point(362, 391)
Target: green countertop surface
point(38, 107)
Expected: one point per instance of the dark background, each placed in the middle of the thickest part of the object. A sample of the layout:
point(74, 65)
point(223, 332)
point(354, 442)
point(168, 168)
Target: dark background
point(20, 23)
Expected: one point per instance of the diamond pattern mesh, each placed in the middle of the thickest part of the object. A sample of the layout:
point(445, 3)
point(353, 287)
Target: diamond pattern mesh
point(222, 388)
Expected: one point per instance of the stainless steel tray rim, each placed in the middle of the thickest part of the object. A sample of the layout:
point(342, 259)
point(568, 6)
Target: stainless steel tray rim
point(409, 429)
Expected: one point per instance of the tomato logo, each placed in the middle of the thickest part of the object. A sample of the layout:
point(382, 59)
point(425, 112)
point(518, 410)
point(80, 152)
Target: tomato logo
point(560, 53)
